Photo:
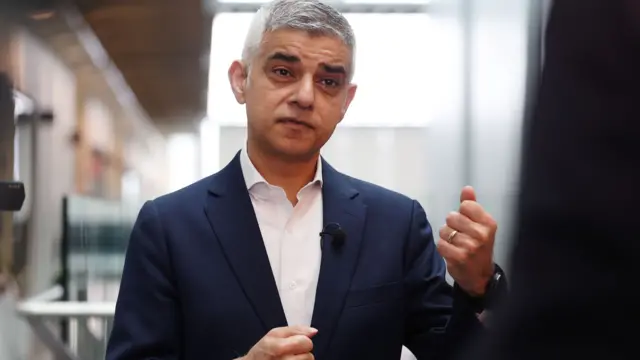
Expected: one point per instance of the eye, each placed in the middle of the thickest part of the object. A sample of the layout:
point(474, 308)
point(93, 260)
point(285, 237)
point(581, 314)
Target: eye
point(282, 72)
point(330, 82)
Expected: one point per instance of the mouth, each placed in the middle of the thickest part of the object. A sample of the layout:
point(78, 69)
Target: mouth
point(295, 122)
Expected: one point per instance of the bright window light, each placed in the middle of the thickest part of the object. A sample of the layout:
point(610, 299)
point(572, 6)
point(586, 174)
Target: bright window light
point(392, 68)
point(183, 160)
point(337, 1)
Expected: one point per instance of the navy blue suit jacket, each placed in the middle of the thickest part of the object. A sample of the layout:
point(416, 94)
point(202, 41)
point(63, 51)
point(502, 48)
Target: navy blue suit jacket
point(197, 282)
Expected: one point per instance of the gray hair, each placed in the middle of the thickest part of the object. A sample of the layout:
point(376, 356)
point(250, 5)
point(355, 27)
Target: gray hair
point(311, 16)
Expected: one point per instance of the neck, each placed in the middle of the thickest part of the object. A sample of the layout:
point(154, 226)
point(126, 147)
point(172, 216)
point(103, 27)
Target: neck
point(287, 174)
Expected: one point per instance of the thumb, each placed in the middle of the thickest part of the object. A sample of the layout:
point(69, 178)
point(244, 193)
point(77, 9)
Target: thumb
point(288, 331)
point(467, 193)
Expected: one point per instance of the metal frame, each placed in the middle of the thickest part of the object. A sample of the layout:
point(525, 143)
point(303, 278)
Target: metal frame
point(39, 310)
point(466, 15)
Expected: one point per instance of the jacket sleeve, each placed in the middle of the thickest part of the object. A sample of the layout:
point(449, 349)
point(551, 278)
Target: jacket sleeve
point(148, 323)
point(440, 318)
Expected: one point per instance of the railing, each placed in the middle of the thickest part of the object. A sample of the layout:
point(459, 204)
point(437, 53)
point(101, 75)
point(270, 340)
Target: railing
point(89, 325)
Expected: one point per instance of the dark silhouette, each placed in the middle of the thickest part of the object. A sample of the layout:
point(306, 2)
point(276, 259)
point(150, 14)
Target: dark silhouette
point(577, 253)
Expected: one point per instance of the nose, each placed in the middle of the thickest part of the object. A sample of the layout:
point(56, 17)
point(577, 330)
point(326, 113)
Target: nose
point(304, 96)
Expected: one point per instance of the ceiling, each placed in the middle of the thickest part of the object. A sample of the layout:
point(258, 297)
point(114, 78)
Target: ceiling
point(162, 49)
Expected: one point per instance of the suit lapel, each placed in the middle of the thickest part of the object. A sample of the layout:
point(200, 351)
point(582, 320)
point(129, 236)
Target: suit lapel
point(234, 223)
point(342, 205)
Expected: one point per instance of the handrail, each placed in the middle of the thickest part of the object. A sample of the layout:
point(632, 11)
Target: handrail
point(53, 294)
point(46, 307)
point(64, 309)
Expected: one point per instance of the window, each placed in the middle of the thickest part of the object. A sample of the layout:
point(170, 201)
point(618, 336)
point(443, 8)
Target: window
point(23, 105)
point(184, 167)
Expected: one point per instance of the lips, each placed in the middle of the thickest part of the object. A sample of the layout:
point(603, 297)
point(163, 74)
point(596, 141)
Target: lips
point(295, 121)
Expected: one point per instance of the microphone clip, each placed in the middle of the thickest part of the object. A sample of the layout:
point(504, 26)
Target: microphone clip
point(337, 234)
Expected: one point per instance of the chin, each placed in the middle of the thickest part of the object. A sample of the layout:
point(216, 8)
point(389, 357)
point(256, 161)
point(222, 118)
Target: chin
point(297, 152)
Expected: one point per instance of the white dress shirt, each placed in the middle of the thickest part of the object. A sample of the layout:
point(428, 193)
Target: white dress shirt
point(291, 237)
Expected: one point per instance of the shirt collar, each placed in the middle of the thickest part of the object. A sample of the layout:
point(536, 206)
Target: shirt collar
point(253, 177)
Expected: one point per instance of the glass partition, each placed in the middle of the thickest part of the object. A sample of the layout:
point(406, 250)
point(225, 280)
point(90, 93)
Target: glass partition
point(95, 238)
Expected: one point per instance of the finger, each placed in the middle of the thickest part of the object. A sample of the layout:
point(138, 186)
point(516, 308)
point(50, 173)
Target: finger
point(445, 232)
point(294, 345)
point(469, 245)
point(308, 356)
point(467, 193)
point(476, 212)
point(463, 224)
point(450, 252)
point(287, 331)
point(460, 239)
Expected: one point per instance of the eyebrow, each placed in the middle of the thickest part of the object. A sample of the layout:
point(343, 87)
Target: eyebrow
point(333, 69)
point(284, 57)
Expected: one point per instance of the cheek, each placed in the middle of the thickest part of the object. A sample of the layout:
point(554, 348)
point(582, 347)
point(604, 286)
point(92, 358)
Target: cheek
point(332, 113)
point(260, 104)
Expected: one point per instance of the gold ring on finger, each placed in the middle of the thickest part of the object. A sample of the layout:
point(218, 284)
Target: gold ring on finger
point(451, 236)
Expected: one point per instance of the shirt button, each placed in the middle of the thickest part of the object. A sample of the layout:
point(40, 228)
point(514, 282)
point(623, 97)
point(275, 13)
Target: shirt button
point(293, 285)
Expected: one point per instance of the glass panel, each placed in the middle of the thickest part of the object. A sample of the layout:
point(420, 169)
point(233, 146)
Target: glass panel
point(95, 241)
point(388, 58)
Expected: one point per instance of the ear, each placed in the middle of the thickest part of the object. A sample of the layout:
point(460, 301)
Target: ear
point(351, 93)
point(238, 80)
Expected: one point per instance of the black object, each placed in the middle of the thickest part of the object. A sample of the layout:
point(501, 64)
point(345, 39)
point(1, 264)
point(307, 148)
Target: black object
point(497, 288)
point(334, 230)
point(575, 257)
point(11, 195)
point(495, 292)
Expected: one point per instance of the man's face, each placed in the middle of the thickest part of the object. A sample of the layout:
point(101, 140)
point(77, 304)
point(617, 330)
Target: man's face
point(296, 92)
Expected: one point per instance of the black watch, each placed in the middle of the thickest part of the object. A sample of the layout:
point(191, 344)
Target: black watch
point(495, 292)
point(497, 288)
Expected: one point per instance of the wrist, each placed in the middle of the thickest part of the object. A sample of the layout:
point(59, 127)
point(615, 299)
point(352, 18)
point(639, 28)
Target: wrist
point(487, 294)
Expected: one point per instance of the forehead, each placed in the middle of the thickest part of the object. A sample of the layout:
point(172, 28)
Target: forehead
point(306, 46)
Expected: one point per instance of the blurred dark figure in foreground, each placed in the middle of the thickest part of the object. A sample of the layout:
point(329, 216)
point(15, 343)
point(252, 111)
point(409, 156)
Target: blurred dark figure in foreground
point(577, 254)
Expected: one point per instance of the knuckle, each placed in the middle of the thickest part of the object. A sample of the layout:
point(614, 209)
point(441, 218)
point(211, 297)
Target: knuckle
point(451, 217)
point(295, 344)
point(441, 245)
point(279, 348)
point(467, 206)
point(486, 234)
point(270, 344)
point(443, 232)
point(464, 258)
point(493, 225)
point(455, 260)
point(480, 233)
point(307, 344)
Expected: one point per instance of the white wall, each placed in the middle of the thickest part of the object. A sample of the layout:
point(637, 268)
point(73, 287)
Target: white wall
point(498, 88)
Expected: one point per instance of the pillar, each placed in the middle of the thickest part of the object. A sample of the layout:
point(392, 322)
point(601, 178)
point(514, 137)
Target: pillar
point(7, 133)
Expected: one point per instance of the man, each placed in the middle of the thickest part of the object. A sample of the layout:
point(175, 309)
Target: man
point(576, 259)
point(233, 266)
